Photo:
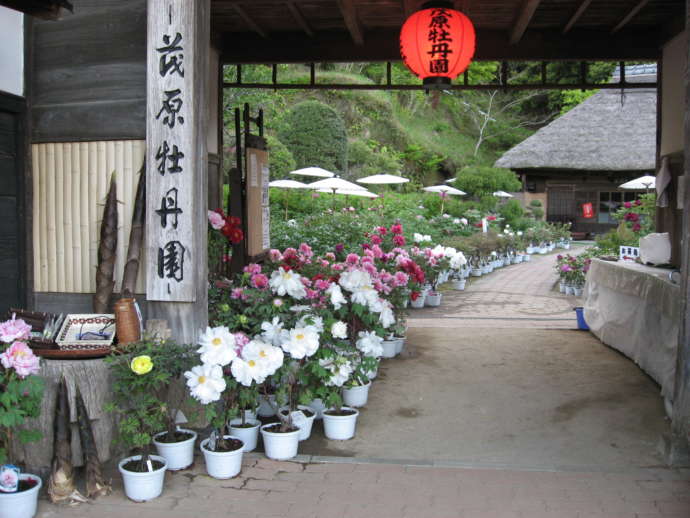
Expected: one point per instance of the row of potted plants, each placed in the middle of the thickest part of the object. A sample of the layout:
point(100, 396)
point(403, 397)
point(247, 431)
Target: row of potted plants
point(572, 271)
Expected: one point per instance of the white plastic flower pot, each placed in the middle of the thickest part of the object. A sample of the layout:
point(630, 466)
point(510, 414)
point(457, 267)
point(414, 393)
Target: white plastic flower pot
point(566, 246)
point(577, 292)
point(249, 435)
point(356, 396)
point(529, 249)
point(22, 504)
point(305, 428)
point(569, 290)
point(398, 346)
point(486, 269)
point(433, 300)
point(280, 446)
point(340, 427)
point(526, 258)
point(418, 302)
point(222, 464)
point(178, 455)
point(561, 287)
point(459, 284)
point(145, 486)
point(389, 348)
point(543, 250)
point(477, 272)
point(266, 406)
point(318, 406)
point(249, 414)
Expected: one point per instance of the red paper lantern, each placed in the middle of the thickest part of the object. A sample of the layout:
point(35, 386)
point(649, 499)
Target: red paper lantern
point(437, 43)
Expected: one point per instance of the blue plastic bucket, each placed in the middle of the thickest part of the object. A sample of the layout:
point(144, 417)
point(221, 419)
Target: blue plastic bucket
point(581, 324)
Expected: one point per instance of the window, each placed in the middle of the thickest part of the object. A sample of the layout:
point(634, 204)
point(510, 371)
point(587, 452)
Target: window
point(610, 202)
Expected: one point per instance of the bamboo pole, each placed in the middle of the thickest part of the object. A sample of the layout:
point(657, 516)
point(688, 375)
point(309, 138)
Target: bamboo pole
point(85, 202)
point(51, 233)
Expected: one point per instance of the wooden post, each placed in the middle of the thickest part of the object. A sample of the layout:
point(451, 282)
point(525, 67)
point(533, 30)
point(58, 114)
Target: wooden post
point(678, 451)
point(178, 37)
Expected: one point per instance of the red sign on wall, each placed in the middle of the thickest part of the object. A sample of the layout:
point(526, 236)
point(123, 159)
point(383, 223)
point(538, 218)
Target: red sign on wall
point(587, 210)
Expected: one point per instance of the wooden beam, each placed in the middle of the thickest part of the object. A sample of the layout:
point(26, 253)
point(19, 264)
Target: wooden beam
point(299, 18)
point(629, 16)
point(576, 15)
point(347, 8)
point(410, 7)
point(522, 20)
point(251, 23)
point(382, 45)
point(44, 9)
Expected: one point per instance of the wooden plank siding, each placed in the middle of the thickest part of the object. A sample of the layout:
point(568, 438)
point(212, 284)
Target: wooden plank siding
point(89, 73)
point(69, 186)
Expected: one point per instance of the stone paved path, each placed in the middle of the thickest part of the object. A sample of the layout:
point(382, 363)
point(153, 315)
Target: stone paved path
point(516, 296)
point(268, 489)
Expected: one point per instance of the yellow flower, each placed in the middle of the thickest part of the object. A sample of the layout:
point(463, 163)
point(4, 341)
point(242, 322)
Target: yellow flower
point(141, 364)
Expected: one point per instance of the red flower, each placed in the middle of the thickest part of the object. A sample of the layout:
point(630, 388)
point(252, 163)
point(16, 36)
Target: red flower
point(415, 295)
point(397, 228)
point(375, 240)
point(491, 218)
point(399, 240)
point(627, 205)
point(478, 225)
point(234, 221)
point(382, 230)
point(638, 203)
point(636, 227)
point(236, 236)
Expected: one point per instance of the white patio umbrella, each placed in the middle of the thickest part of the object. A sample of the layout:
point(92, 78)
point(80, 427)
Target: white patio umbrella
point(643, 182)
point(502, 194)
point(287, 184)
point(313, 171)
point(335, 184)
point(346, 192)
point(444, 189)
point(382, 179)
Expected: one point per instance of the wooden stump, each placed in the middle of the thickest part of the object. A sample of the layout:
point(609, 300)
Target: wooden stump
point(95, 383)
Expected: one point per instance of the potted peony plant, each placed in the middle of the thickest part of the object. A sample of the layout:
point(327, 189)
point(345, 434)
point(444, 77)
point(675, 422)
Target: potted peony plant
point(22, 392)
point(136, 382)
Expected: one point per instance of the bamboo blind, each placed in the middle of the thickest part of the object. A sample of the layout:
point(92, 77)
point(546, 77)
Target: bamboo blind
point(70, 182)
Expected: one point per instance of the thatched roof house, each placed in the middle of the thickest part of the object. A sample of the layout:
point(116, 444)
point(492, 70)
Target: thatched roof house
point(582, 156)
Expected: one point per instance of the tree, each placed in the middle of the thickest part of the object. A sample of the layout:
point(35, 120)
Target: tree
point(315, 134)
point(280, 160)
point(483, 180)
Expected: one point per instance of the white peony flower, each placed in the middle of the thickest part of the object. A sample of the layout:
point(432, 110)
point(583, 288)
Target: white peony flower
point(287, 283)
point(217, 346)
point(205, 383)
point(273, 331)
point(340, 369)
point(270, 358)
point(458, 261)
point(299, 308)
point(247, 371)
point(456, 221)
point(339, 329)
point(463, 221)
point(337, 297)
point(355, 279)
point(302, 342)
point(366, 296)
point(313, 321)
point(387, 318)
point(370, 344)
point(519, 232)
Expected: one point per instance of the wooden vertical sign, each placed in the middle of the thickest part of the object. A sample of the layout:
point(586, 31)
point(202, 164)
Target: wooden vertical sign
point(177, 66)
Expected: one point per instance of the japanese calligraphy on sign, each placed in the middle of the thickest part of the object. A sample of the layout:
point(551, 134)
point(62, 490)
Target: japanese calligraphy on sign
point(172, 194)
point(440, 38)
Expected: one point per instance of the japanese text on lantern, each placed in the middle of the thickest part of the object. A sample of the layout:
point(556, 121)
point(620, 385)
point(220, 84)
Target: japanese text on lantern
point(440, 39)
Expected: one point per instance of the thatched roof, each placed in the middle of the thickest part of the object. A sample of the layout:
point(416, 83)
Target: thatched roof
point(609, 131)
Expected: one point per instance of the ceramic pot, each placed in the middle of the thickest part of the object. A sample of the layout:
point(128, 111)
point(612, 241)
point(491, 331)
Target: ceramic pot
point(222, 464)
point(356, 396)
point(145, 486)
point(340, 427)
point(24, 503)
point(280, 446)
point(306, 426)
point(249, 436)
point(178, 455)
point(433, 299)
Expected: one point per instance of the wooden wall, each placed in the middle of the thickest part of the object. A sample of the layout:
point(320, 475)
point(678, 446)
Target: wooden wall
point(89, 73)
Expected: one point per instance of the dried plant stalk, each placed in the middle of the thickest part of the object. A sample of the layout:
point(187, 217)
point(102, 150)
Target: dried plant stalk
point(61, 488)
point(107, 251)
point(95, 484)
point(136, 237)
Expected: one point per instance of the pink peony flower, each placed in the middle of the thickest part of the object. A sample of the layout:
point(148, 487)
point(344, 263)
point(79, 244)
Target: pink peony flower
point(322, 284)
point(306, 250)
point(397, 228)
point(352, 259)
point(275, 256)
point(21, 358)
point(369, 268)
point(330, 256)
point(259, 281)
point(312, 294)
point(241, 340)
point(382, 230)
point(252, 268)
point(399, 240)
point(14, 329)
point(324, 263)
point(216, 220)
point(238, 293)
point(627, 205)
point(338, 267)
point(636, 227)
point(375, 239)
point(638, 203)
point(376, 250)
point(566, 268)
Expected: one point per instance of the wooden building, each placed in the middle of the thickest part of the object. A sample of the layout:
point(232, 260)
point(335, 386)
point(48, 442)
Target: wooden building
point(82, 101)
point(584, 155)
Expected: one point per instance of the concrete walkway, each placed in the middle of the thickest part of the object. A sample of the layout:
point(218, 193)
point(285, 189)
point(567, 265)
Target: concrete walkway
point(497, 408)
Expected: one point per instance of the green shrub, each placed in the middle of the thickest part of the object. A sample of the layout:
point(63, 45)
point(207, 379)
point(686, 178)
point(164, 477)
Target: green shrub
point(280, 159)
point(480, 181)
point(315, 134)
point(512, 212)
